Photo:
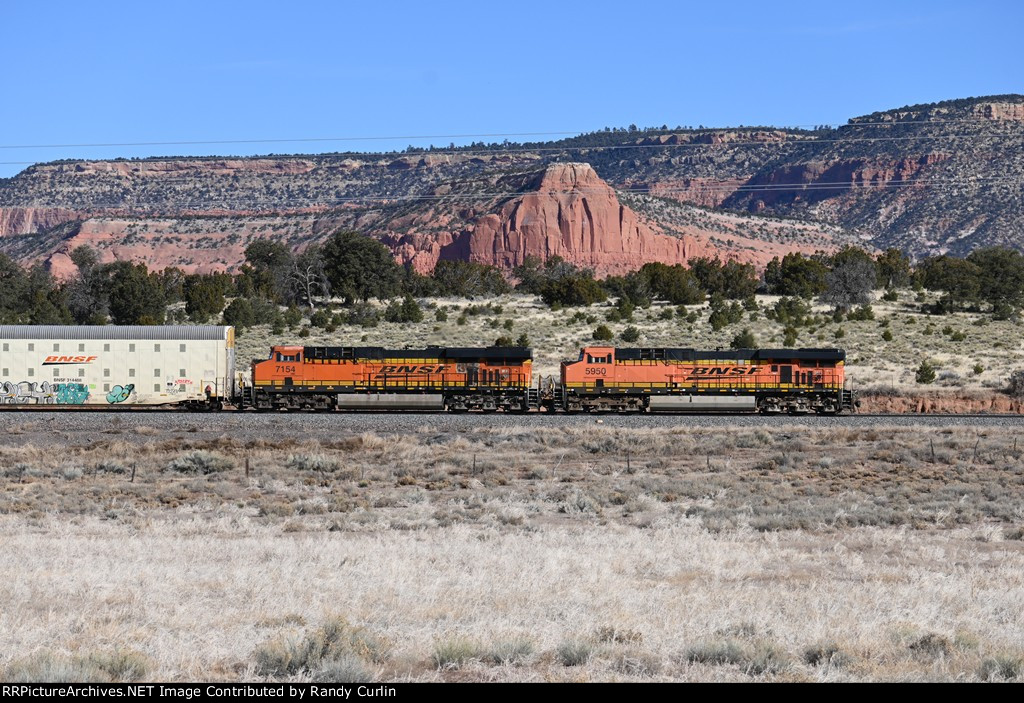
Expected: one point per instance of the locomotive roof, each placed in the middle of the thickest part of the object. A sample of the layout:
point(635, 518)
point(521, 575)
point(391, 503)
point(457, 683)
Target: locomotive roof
point(506, 353)
point(731, 354)
point(126, 332)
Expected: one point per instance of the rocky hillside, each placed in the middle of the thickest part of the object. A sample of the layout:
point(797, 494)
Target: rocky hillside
point(931, 178)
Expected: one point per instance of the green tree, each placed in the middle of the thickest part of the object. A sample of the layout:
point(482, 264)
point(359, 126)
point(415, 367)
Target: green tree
point(603, 333)
point(239, 313)
point(739, 281)
point(925, 373)
point(798, 276)
point(468, 279)
point(631, 334)
point(266, 270)
point(957, 279)
point(893, 269)
point(404, 311)
point(360, 268)
point(744, 340)
point(675, 284)
point(135, 295)
point(580, 289)
point(1001, 276)
point(204, 297)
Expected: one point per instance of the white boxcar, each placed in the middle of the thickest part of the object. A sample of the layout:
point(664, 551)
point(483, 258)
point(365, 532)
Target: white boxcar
point(115, 365)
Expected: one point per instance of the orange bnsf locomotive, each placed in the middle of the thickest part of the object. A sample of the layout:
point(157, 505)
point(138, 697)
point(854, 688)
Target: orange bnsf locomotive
point(374, 378)
point(602, 379)
point(762, 380)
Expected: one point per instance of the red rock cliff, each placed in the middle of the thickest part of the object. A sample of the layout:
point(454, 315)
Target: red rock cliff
point(570, 212)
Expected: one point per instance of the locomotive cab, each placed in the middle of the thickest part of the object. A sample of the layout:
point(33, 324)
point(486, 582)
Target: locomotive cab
point(282, 367)
point(595, 367)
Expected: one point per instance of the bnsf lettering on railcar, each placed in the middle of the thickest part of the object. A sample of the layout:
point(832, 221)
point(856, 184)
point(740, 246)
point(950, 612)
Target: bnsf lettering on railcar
point(415, 368)
point(722, 371)
point(52, 360)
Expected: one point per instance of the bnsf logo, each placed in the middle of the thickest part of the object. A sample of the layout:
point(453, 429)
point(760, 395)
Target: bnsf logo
point(52, 360)
point(425, 368)
point(723, 371)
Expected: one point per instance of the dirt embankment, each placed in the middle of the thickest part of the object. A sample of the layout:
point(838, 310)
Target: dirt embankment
point(938, 402)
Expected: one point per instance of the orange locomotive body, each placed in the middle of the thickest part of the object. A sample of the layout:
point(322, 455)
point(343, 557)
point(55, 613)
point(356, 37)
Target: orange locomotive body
point(435, 378)
point(764, 380)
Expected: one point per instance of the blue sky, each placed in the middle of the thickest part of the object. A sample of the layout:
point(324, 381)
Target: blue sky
point(87, 72)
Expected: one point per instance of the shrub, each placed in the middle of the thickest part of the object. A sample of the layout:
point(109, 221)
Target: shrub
point(200, 462)
point(405, 311)
point(636, 662)
point(513, 652)
point(925, 373)
point(321, 318)
point(333, 645)
point(932, 645)
point(978, 369)
point(1001, 666)
point(96, 667)
point(630, 334)
point(440, 315)
point(617, 635)
point(887, 335)
point(826, 654)
point(744, 340)
point(344, 669)
point(574, 652)
point(109, 467)
point(861, 314)
point(790, 311)
point(313, 462)
point(522, 340)
point(724, 652)
point(1016, 384)
point(789, 335)
point(363, 315)
point(453, 653)
point(292, 316)
point(767, 659)
point(890, 296)
point(603, 333)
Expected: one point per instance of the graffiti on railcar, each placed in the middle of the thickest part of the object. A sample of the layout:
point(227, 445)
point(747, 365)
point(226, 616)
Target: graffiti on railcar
point(119, 394)
point(43, 393)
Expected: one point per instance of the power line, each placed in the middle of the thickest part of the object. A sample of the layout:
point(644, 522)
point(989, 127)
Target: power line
point(519, 150)
point(582, 133)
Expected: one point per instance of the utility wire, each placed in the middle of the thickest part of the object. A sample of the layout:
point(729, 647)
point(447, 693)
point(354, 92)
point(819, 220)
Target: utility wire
point(517, 150)
point(582, 133)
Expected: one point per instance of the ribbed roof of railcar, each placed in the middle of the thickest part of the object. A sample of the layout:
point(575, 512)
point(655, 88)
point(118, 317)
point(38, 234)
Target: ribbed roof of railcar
point(183, 333)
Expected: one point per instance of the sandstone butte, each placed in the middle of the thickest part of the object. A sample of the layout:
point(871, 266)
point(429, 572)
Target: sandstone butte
point(569, 212)
point(565, 210)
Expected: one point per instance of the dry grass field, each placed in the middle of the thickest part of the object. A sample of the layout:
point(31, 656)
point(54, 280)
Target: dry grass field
point(969, 351)
point(515, 553)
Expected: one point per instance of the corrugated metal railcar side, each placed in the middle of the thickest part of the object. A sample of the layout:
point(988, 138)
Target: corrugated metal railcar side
point(68, 365)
